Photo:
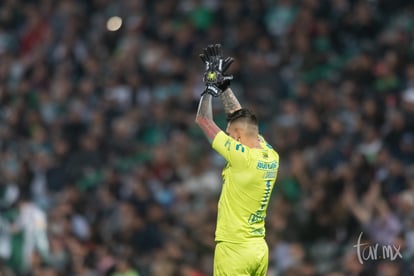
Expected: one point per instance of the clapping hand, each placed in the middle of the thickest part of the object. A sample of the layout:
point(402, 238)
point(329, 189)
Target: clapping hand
point(215, 77)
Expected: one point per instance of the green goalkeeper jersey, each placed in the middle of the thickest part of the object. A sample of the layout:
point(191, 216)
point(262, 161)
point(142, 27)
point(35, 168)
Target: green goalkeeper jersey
point(248, 180)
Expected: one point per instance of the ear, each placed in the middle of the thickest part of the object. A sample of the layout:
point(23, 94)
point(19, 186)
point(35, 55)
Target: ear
point(238, 131)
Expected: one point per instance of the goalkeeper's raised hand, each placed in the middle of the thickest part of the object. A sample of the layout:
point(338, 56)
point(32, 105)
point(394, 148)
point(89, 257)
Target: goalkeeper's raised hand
point(215, 78)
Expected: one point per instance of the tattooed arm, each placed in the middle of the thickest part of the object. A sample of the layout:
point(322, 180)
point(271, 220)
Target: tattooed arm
point(204, 117)
point(230, 101)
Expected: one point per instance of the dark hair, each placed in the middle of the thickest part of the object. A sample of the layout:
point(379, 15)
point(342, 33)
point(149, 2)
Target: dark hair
point(244, 114)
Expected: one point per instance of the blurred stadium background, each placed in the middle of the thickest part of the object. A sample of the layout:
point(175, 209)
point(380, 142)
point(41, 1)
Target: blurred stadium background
point(103, 172)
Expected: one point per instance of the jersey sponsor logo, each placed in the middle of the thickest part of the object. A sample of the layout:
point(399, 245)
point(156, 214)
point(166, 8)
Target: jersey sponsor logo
point(266, 165)
point(269, 174)
point(257, 231)
point(257, 217)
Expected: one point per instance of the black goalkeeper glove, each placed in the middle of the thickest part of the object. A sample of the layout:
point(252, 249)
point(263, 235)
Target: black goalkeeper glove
point(214, 77)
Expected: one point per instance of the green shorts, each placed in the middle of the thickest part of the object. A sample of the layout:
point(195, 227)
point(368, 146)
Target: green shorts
point(241, 259)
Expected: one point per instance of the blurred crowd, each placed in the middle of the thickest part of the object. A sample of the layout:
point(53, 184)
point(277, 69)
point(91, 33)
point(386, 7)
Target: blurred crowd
point(103, 171)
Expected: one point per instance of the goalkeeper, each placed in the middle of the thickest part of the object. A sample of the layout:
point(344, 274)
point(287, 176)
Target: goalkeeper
point(248, 177)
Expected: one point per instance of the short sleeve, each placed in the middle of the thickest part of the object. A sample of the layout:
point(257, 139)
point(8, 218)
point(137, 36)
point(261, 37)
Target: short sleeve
point(234, 152)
